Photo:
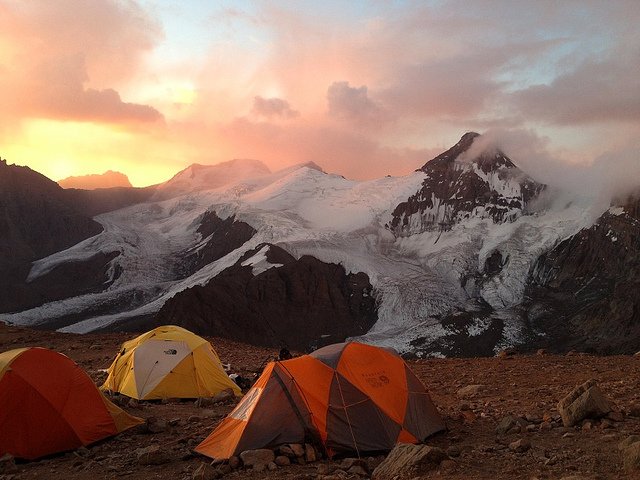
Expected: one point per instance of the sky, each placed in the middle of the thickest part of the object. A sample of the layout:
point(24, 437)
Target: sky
point(362, 88)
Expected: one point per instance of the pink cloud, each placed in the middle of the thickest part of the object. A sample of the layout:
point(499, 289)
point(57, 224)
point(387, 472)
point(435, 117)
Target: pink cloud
point(66, 57)
point(273, 107)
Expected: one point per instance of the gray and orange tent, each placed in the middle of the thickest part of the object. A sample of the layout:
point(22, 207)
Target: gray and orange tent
point(348, 397)
point(48, 404)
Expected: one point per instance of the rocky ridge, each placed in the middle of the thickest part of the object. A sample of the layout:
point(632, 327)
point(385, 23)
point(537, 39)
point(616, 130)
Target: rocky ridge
point(271, 298)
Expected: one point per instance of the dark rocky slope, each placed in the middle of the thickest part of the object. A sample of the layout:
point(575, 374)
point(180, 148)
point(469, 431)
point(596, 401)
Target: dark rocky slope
point(219, 237)
point(298, 304)
point(585, 293)
point(37, 218)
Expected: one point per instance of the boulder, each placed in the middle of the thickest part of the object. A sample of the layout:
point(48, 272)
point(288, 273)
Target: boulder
point(151, 455)
point(407, 461)
point(585, 401)
point(257, 459)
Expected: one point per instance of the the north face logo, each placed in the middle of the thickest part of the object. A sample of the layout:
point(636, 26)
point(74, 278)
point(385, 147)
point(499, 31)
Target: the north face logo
point(171, 351)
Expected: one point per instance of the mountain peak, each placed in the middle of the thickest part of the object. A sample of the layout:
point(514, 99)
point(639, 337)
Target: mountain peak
point(468, 180)
point(487, 157)
point(198, 177)
point(108, 179)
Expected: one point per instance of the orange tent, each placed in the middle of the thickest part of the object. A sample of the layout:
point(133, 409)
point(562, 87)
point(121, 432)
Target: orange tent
point(348, 397)
point(48, 404)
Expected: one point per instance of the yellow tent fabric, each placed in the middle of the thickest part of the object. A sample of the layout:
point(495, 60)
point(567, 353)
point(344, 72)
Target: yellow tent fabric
point(168, 362)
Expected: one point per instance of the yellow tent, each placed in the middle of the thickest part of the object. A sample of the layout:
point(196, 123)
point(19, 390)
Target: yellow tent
point(167, 362)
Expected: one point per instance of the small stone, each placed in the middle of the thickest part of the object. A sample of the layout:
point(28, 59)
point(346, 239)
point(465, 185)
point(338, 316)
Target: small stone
point(546, 426)
point(156, 425)
point(285, 450)
point(447, 464)
point(258, 459)
point(193, 419)
point(616, 416)
point(83, 452)
point(531, 428)
point(151, 455)
point(520, 446)
point(541, 351)
point(631, 457)
point(234, 462)
point(506, 424)
point(205, 472)
point(225, 469)
point(470, 391)
point(569, 435)
point(297, 449)
point(7, 464)
point(282, 460)
point(454, 451)
point(271, 466)
point(634, 411)
point(309, 453)
point(529, 417)
point(630, 440)
point(347, 463)
point(225, 396)
point(587, 425)
point(358, 470)
point(606, 424)
point(373, 462)
point(133, 403)
point(326, 468)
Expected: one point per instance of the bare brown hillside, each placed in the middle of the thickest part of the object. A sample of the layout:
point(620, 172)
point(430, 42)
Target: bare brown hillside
point(523, 386)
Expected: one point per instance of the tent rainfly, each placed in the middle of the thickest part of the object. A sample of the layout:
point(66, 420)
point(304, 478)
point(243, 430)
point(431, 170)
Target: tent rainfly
point(168, 362)
point(347, 398)
point(48, 404)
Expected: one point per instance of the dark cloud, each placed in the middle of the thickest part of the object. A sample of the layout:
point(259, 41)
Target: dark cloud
point(353, 103)
point(596, 91)
point(273, 107)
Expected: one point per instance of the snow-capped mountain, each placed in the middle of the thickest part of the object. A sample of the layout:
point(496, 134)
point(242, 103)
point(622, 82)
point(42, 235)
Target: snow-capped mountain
point(458, 187)
point(450, 253)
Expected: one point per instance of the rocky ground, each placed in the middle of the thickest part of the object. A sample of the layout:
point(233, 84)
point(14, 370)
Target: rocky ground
point(501, 414)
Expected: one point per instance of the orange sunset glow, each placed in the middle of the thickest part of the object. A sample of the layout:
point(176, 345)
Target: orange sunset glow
point(363, 89)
